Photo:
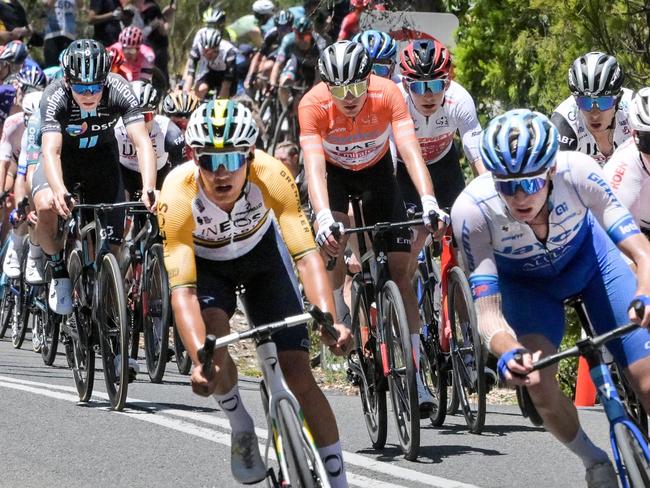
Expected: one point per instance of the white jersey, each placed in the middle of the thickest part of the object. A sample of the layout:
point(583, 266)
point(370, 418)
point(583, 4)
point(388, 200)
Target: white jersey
point(630, 180)
point(495, 243)
point(573, 131)
point(224, 61)
point(12, 133)
point(436, 132)
point(166, 138)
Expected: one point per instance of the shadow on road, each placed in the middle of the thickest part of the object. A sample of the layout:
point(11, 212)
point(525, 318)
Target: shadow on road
point(428, 454)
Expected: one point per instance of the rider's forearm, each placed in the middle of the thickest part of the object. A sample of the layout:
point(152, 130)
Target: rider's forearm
point(146, 157)
point(275, 73)
point(478, 168)
point(637, 248)
point(316, 282)
point(188, 76)
point(417, 169)
point(189, 322)
point(253, 67)
point(51, 148)
point(224, 91)
point(495, 331)
point(315, 168)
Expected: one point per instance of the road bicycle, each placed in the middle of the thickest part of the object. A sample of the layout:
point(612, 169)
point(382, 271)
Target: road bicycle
point(383, 357)
point(286, 127)
point(299, 463)
point(99, 316)
point(147, 291)
point(629, 443)
point(450, 340)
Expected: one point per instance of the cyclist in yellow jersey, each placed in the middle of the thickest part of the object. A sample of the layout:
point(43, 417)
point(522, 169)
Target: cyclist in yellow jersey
point(231, 221)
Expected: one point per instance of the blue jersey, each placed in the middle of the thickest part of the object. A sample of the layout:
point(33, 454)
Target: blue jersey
point(7, 97)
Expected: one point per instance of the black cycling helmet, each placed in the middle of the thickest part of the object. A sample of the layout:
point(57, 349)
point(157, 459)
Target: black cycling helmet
point(284, 18)
point(303, 25)
point(86, 61)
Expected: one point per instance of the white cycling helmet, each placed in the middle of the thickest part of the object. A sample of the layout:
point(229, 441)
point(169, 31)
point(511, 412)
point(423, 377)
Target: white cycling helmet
point(221, 124)
point(263, 7)
point(639, 116)
point(31, 102)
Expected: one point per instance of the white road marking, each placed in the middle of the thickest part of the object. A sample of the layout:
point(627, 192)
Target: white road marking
point(162, 419)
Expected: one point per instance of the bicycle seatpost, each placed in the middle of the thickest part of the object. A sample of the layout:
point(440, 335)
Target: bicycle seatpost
point(206, 354)
point(336, 232)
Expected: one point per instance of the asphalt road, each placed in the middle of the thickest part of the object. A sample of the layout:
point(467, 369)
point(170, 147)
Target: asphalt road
point(168, 437)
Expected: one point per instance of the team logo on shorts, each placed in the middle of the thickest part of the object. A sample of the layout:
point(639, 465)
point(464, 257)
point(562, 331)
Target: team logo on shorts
point(77, 130)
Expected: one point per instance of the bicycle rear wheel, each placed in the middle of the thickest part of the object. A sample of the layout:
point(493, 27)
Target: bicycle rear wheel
point(113, 332)
point(636, 465)
point(50, 325)
point(300, 454)
point(23, 317)
point(284, 129)
point(401, 378)
point(183, 360)
point(7, 303)
point(156, 311)
point(80, 326)
point(366, 370)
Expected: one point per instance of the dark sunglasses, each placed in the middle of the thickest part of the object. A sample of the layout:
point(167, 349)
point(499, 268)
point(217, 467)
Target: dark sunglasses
point(529, 186)
point(382, 70)
point(587, 104)
point(421, 87)
point(231, 161)
point(86, 89)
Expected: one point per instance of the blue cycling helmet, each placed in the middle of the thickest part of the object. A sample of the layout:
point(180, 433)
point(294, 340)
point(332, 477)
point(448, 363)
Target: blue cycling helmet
point(380, 46)
point(15, 52)
point(519, 143)
point(31, 77)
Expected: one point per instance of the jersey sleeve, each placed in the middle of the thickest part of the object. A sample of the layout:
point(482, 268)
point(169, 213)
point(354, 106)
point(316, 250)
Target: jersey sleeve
point(591, 187)
point(401, 121)
point(124, 99)
point(472, 233)
point(283, 50)
point(310, 115)
point(282, 195)
point(567, 136)
point(176, 224)
point(231, 63)
point(174, 144)
point(625, 183)
point(469, 127)
point(33, 136)
point(53, 104)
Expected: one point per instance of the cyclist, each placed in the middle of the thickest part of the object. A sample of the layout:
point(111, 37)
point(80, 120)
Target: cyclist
point(531, 236)
point(262, 62)
point(214, 18)
point(167, 139)
point(139, 59)
point(117, 61)
point(382, 50)
point(226, 217)
point(628, 169)
point(13, 58)
point(345, 124)
point(78, 144)
point(178, 106)
point(247, 29)
point(593, 120)
point(213, 59)
point(31, 78)
point(350, 24)
point(298, 57)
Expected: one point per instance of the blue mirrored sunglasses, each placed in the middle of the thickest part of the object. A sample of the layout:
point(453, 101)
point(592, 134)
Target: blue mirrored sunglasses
point(382, 70)
point(601, 103)
point(529, 186)
point(421, 87)
point(232, 161)
point(85, 89)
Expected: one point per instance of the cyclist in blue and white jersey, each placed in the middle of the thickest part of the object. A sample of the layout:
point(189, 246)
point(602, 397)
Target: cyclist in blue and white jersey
point(594, 118)
point(543, 226)
point(382, 50)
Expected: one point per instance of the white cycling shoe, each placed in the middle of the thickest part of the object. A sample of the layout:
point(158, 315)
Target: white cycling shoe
point(59, 297)
point(35, 270)
point(11, 264)
point(601, 475)
point(245, 459)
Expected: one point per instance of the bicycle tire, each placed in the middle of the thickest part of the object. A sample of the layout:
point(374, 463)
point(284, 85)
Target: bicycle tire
point(298, 453)
point(7, 304)
point(403, 391)
point(268, 116)
point(283, 134)
point(636, 464)
point(372, 389)
point(113, 331)
point(50, 336)
point(183, 359)
point(632, 403)
point(133, 301)
point(469, 378)
point(24, 301)
point(527, 407)
point(434, 376)
point(80, 320)
point(156, 317)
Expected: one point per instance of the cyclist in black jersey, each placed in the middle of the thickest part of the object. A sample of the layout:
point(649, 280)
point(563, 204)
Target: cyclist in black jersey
point(78, 114)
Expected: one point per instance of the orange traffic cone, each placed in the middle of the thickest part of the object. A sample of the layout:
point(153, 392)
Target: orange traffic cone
point(585, 388)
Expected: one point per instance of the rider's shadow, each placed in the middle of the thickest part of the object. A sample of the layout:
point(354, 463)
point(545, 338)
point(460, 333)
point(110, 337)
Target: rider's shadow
point(429, 454)
point(493, 430)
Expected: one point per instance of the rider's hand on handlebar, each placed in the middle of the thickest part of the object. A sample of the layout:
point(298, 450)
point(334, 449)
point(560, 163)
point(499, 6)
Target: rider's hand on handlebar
point(514, 367)
point(150, 199)
point(341, 346)
point(436, 226)
point(325, 237)
point(639, 310)
point(202, 385)
point(62, 202)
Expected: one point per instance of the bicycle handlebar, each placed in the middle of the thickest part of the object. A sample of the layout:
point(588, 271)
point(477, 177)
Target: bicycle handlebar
point(206, 354)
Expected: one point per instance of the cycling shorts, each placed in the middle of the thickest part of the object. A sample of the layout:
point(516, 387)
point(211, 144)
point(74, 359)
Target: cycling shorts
point(214, 79)
point(270, 289)
point(133, 179)
point(380, 196)
point(446, 174)
point(97, 171)
point(600, 276)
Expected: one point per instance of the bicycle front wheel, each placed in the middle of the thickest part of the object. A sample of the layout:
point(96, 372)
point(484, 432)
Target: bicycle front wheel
point(183, 359)
point(113, 332)
point(636, 465)
point(467, 356)
point(156, 314)
point(299, 453)
point(401, 378)
point(7, 303)
point(366, 368)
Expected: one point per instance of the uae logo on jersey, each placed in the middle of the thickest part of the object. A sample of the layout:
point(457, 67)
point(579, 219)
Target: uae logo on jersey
point(77, 130)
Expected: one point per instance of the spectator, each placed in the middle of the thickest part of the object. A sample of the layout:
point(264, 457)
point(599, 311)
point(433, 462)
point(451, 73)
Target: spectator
point(105, 15)
point(13, 21)
point(61, 27)
point(157, 24)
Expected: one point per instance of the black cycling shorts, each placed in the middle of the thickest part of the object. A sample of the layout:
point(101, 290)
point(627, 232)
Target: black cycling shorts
point(381, 199)
point(447, 176)
point(269, 288)
point(133, 179)
point(214, 79)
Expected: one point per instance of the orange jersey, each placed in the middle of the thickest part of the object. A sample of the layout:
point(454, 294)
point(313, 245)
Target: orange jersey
point(359, 142)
